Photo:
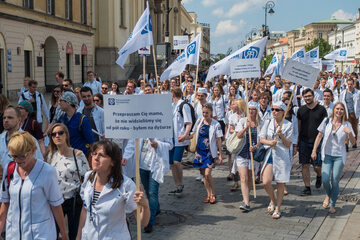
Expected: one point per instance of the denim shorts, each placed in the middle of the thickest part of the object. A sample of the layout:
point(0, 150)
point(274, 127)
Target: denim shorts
point(305, 150)
point(176, 154)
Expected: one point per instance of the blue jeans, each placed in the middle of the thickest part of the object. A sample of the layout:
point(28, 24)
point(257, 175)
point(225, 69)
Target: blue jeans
point(336, 165)
point(152, 192)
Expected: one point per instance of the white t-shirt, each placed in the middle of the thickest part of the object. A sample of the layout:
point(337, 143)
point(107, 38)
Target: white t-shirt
point(179, 122)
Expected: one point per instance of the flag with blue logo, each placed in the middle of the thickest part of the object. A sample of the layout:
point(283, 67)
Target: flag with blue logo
point(312, 55)
point(140, 37)
point(190, 55)
point(272, 65)
point(339, 54)
point(279, 67)
point(347, 70)
point(299, 55)
point(253, 50)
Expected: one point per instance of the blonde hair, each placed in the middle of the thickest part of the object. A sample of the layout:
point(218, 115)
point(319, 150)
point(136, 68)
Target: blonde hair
point(241, 104)
point(221, 91)
point(21, 143)
point(344, 117)
point(185, 90)
point(52, 146)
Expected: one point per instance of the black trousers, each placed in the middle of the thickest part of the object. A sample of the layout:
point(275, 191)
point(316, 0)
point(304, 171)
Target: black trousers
point(73, 217)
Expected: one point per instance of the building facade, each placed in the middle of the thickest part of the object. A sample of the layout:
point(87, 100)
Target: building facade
point(39, 38)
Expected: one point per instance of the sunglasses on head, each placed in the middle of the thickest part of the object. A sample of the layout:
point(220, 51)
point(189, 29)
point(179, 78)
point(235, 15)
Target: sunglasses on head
point(60, 133)
point(276, 109)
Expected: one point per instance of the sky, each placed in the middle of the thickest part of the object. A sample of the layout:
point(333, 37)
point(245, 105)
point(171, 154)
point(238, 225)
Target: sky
point(231, 20)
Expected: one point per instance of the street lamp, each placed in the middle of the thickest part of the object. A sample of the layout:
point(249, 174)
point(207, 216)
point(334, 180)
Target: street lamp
point(250, 35)
point(268, 9)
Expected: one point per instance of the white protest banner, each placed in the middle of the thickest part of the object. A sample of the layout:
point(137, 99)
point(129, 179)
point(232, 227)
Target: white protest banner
point(180, 42)
point(245, 68)
point(145, 51)
point(300, 73)
point(339, 54)
point(138, 116)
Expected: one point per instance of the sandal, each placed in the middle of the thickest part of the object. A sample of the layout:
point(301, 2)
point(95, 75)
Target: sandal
point(234, 187)
point(207, 200)
point(326, 204)
point(271, 208)
point(230, 177)
point(276, 215)
point(212, 199)
point(332, 210)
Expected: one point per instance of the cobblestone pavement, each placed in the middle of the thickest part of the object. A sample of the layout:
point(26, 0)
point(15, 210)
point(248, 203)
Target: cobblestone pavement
point(189, 218)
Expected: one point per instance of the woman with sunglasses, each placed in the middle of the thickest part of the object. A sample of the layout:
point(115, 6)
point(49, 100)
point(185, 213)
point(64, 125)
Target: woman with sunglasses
point(71, 166)
point(31, 197)
point(277, 140)
point(108, 195)
point(54, 111)
point(333, 131)
point(242, 158)
point(99, 100)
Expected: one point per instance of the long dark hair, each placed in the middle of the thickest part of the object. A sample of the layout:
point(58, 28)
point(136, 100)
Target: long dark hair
point(115, 153)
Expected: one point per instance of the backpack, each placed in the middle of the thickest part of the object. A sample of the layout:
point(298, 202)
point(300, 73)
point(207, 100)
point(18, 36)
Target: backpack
point(192, 111)
point(10, 171)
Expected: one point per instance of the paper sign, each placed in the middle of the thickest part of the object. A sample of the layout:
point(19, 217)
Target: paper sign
point(180, 42)
point(145, 51)
point(138, 116)
point(300, 73)
point(245, 68)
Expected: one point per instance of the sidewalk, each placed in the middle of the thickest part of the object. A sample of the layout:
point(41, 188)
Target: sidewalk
point(188, 218)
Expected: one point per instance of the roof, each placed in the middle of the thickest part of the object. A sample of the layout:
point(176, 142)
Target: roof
point(335, 21)
point(281, 41)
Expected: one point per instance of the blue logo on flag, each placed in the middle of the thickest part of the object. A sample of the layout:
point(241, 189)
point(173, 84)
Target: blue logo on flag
point(313, 54)
point(147, 28)
point(111, 101)
point(300, 54)
point(274, 60)
point(191, 49)
point(252, 52)
point(343, 53)
point(214, 68)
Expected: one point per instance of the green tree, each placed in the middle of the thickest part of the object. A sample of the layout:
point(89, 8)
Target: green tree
point(267, 62)
point(219, 56)
point(324, 46)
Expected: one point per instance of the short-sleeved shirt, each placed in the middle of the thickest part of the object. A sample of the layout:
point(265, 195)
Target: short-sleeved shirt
point(350, 101)
point(310, 121)
point(81, 135)
point(33, 127)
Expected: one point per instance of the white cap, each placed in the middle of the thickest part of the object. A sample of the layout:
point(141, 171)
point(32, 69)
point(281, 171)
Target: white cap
point(202, 90)
point(253, 105)
point(280, 104)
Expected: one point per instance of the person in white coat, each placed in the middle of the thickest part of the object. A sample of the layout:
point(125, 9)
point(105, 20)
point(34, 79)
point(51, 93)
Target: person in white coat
point(208, 143)
point(277, 164)
point(30, 196)
point(107, 196)
point(154, 164)
point(333, 131)
point(350, 97)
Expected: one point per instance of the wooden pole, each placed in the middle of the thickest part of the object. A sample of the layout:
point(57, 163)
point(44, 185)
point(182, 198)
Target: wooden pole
point(144, 69)
point(138, 218)
point(251, 153)
point(156, 74)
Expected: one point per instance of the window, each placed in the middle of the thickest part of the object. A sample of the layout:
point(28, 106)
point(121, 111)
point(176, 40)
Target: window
point(27, 63)
point(320, 35)
point(50, 7)
point(68, 9)
point(83, 12)
point(122, 13)
point(28, 4)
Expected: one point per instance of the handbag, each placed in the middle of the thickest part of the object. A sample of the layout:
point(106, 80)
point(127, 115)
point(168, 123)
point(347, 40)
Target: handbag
point(260, 153)
point(233, 143)
point(77, 198)
point(192, 146)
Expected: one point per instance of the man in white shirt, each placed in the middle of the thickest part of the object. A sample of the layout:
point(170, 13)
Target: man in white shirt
point(92, 83)
point(182, 123)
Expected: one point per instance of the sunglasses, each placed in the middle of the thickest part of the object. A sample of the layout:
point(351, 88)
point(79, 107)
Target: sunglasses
point(20, 157)
point(276, 109)
point(65, 85)
point(105, 88)
point(56, 91)
point(96, 100)
point(54, 134)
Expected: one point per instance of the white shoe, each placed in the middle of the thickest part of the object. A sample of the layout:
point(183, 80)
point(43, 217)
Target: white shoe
point(199, 178)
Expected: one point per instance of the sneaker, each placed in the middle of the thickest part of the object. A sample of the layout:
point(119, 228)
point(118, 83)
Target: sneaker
point(199, 178)
point(172, 192)
point(306, 192)
point(179, 190)
point(245, 208)
point(148, 228)
point(318, 182)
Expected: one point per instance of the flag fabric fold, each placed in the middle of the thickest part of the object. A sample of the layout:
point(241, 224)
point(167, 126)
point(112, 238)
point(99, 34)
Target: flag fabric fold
point(140, 37)
point(190, 55)
point(272, 65)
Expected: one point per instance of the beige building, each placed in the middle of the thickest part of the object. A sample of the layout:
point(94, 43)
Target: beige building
point(357, 44)
point(278, 47)
point(302, 36)
point(39, 38)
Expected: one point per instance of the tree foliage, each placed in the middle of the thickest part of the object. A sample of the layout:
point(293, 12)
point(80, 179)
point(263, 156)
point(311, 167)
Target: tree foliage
point(324, 46)
point(267, 62)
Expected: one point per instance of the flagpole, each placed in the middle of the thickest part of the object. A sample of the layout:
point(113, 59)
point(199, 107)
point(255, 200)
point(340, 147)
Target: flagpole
point(155, 66)
point(138, 217)
point(251, 153)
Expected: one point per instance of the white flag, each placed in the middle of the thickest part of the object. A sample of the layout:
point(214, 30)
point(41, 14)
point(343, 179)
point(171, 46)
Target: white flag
point(338, 54)
point(140, 37)
point(312, 56)
point(272, 65)
point(279, 67)
point(299, 55)
point(252, 50)
point(329, 65)
point(190, 55)
point(347, 70)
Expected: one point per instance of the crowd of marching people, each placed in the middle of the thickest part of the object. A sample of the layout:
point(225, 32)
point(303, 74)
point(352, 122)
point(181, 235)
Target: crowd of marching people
point(57, 161)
